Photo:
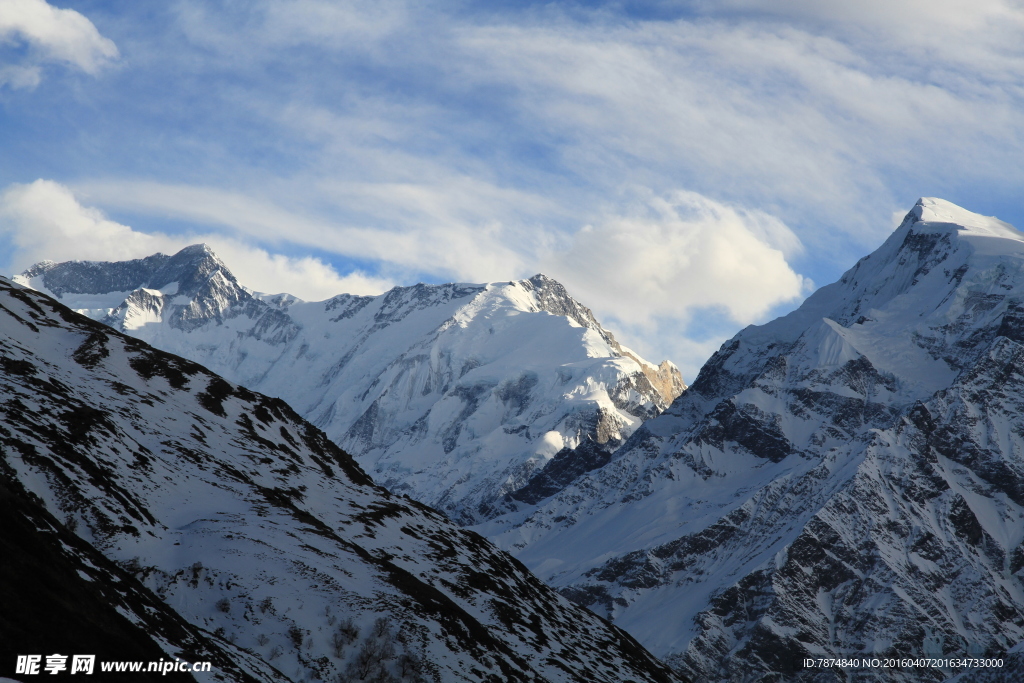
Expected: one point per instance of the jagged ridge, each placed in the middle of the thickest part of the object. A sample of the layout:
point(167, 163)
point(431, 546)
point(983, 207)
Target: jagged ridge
point(259, 530)
point(456, 394)
point(842, 481)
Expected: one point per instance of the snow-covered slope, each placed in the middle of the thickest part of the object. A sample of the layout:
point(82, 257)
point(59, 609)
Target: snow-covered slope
point(61, 595)
point(845, 480)
point(456, 394)
point(249, 523)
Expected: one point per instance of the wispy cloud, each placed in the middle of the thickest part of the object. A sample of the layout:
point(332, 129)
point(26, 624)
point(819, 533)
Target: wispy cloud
point(51, 35)
point(490, 141)
point(45, 220)
point(910, 20)
point(431, 228)
point(827, 113)
point(767, 114)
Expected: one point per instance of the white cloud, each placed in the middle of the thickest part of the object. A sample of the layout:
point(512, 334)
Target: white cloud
point(674, 275)
point(44, 220)
point(896, 15)
point(650, 270)
point(307, 278)
point(52, 35)
point(673, 256)
point(815, 126)
point(665, 257)
point(441, 227)
point(460, 145)
point(825, 113)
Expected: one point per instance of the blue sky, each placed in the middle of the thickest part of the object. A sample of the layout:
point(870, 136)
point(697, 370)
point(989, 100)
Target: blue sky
point(685, 168)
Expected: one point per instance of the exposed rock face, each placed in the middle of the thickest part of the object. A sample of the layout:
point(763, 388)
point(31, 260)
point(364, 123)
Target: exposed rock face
point(187, 290)
point(665, 377)
point(455, 394)
point(552, 297)
point(847, 480)
point(245, 537)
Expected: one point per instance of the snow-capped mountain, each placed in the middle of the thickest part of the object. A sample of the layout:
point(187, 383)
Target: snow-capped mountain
point(456, 394)
point(243, 535)
point(847, 480)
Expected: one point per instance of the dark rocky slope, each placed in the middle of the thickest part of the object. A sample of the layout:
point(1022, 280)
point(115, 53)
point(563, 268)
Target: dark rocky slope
point(268, 547)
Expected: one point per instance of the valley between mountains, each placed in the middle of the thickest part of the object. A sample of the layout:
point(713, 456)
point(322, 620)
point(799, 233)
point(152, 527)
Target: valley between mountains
point(846, 481)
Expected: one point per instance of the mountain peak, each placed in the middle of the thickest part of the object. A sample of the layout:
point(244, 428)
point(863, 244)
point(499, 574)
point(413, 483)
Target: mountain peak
point(939, 213)
point(813, 455)
point(191, 267)
point(90, 277)
point(189, 288)
point(938, 247)
point(554, 298)
point(201, 248)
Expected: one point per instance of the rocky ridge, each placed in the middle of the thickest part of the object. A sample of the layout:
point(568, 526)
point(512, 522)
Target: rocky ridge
point(242, 535)
point(456, 394)
point(844, 481)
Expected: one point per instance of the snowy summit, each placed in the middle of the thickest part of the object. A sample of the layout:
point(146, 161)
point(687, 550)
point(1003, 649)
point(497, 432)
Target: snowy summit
point(831, 481)
point(455, 393)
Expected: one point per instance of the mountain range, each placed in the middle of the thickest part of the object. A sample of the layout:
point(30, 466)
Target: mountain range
point(155, 510)
point(846, 481)
point(457, 394)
